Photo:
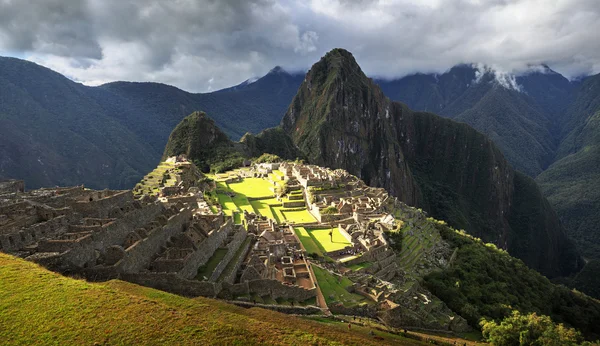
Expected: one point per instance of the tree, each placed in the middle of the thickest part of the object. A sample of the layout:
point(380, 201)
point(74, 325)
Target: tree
point(531, 329)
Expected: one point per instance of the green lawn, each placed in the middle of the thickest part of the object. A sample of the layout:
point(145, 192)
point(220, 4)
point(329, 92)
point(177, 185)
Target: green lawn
point(278, 215)
point(298, 216)
point(322, 238)
point(262, 209)
point(242, 202)
point(252, 187)
point(360, 265)
point(334, 288)
point(307, 241)
point(208, 268)
point(227, 204)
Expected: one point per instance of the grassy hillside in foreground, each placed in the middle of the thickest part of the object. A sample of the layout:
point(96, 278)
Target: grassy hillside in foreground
point(41, 307)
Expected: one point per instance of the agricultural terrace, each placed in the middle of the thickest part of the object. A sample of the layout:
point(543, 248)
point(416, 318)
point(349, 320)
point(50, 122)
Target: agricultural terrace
point(159, 177)
point(334, 288)
point(321, 239)
point(257, 195)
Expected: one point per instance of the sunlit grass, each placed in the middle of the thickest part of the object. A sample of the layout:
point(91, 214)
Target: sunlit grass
point(40, 307)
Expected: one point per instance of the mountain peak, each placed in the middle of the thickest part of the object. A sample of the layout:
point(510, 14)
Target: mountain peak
point(277, 70)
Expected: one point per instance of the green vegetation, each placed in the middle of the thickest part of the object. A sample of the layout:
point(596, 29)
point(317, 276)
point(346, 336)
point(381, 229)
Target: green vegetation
point(204, 144)
point(253, 188)
point(572, 185)
point(266, 157)
point(263, 208)
point(298, 216)
point(322, 238)
point(334, 289)
point(484, 282)
point(308, 242)
point(528, 329)
point(41, 307)
point(207, 269)
point(360, 266)
point(396, 236)
point(329, 210)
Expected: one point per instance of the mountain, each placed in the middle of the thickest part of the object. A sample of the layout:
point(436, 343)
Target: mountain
point(54, 131)
point(572, 183)
point(466, 274)
point(341, 119)
point(521, 114)
point(199, 138)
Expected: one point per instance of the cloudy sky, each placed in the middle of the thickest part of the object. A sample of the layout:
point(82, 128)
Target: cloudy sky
point(203, 45)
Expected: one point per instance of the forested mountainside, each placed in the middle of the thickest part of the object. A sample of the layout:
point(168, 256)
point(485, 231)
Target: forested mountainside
point(341, 119)
point(520, 114)
point(546, 126)
point(54, 131)
point(572, 183)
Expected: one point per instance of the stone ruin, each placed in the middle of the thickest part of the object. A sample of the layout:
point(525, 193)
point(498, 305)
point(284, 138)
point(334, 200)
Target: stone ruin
point(176, 242)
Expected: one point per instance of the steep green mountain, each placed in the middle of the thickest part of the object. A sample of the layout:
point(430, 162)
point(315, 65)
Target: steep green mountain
point(200, 139)
point(54, 131)
point(572, 183)
point(521, 116)
point(341, 119)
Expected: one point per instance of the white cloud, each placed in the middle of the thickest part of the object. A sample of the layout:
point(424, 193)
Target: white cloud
point(206, 44)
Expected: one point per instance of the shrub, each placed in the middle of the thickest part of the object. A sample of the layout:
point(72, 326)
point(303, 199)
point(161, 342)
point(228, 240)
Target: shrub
point(531, 329)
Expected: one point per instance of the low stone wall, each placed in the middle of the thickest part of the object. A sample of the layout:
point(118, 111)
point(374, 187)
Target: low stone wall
point(112, 233)
point(232, 248)
point(102, 207)
point(388, 260)
point(139, 255)
point(173, 283)
point(275, 289)
point(293, 310)
point(19, 239)
point(230, 276)
point(229, 291)
point(205, 250)
point(12, 186)
point(360, 310)
point(294, 204)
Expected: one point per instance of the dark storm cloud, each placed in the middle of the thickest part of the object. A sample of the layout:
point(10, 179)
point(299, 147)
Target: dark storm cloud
point(56, 27)
point(209, 44)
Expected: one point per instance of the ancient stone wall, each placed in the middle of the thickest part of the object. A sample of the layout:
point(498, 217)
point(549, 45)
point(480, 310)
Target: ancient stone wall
point(231, 275)
point(139, 255)
point(206, 250)
point(360, 310)
point(12, 186)
point(173, 283)
point(230, 291)
point(232, 248)
point(295, 310)
point(34, 233)
point(112, 233)
point(102, 208)
point(275, 289)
